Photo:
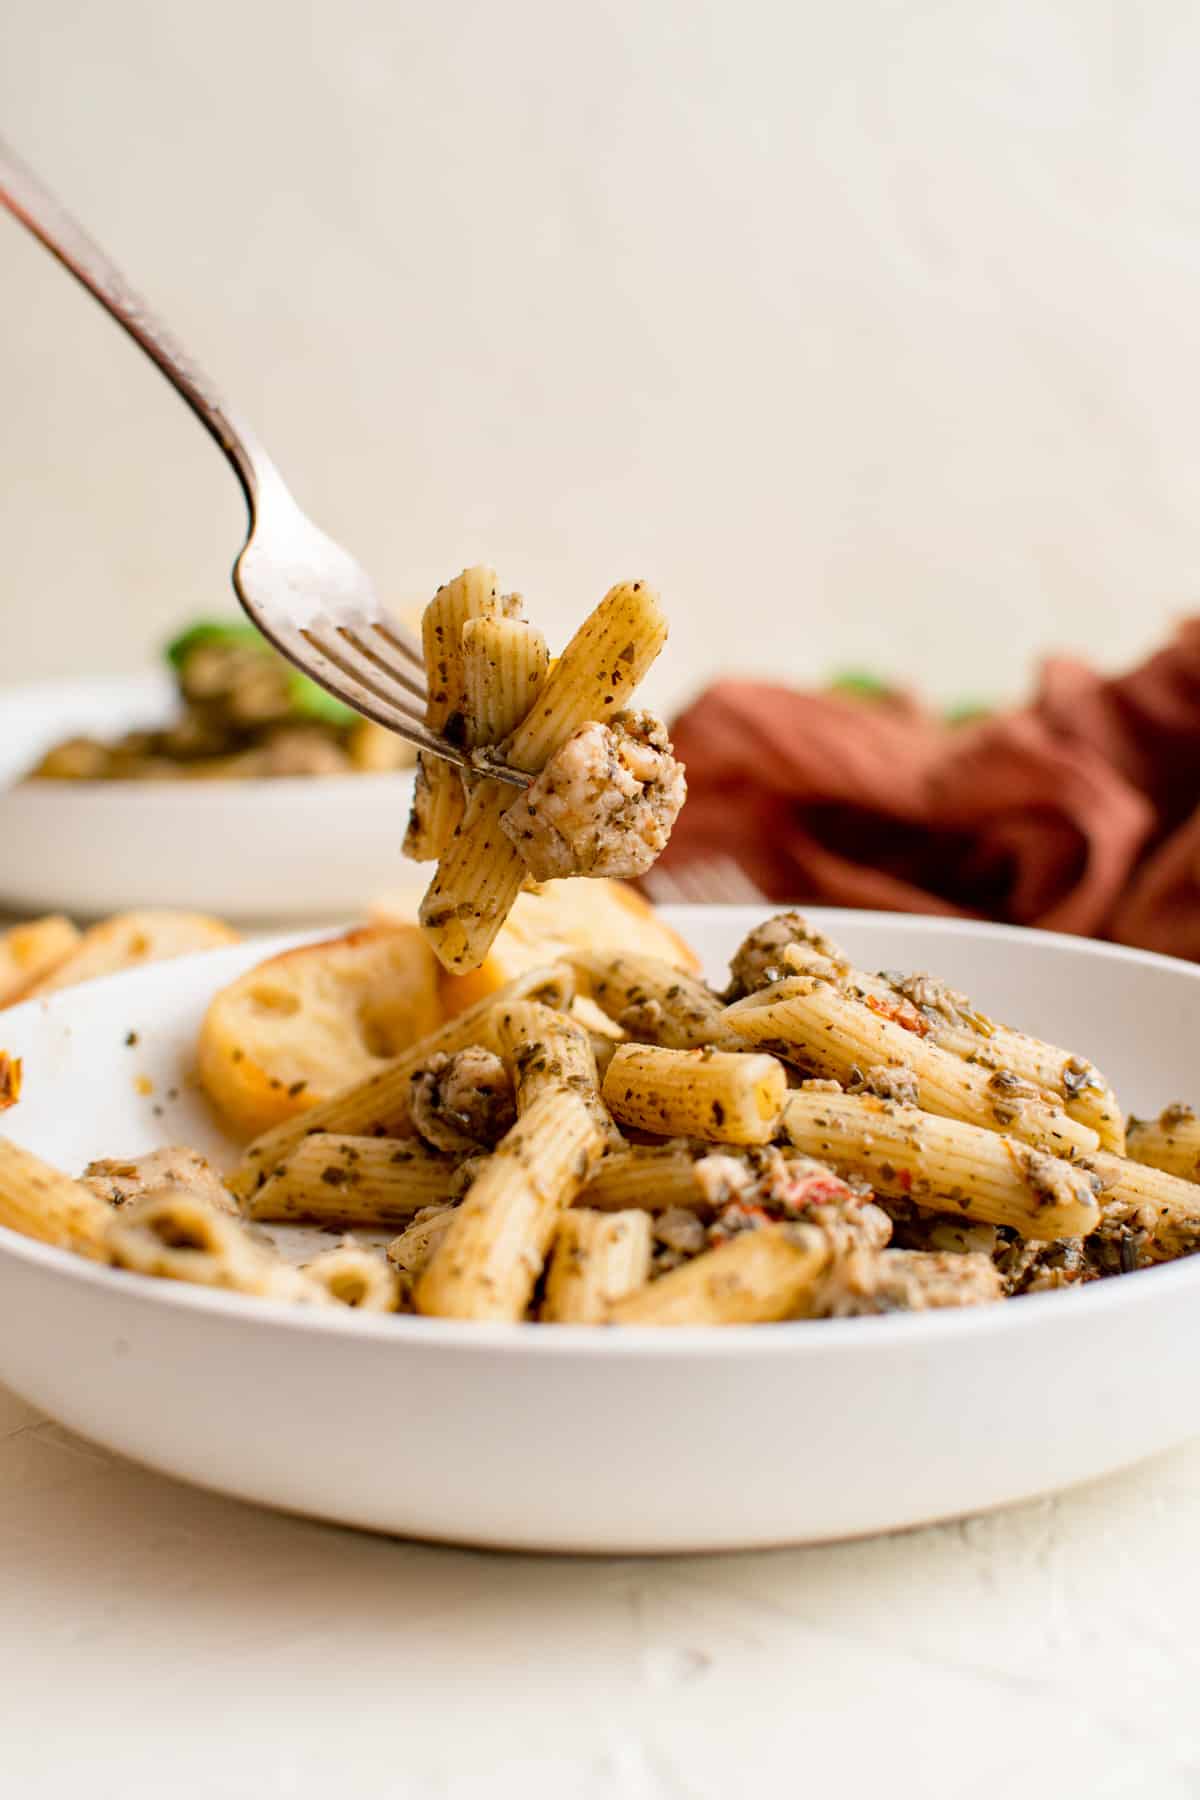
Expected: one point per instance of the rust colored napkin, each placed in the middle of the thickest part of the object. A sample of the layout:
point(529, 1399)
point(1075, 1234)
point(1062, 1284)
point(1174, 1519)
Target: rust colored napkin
point(1079, 812)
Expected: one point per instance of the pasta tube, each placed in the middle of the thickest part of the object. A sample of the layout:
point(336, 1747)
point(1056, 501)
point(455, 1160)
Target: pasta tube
point(354, 1276)
point(438, 796)
point(720, 1096)
point(811, 1023)
point(949, 1020)
point(481, 873)
point(41, 1202)
point(504, 665)
point(598, 1258)
point(549, 1049)
point(655, 1178)
point(334, 1179)
point(754, 1278)
point(496, 1242)
point(178, 1237)
point(380, 1105)
point(1161, 1207)
point(655, 1002)
point(410, 1252)
point(1171, 1142)
point(942, 1163)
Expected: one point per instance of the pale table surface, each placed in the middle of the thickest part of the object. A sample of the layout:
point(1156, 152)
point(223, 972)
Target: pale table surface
point(160, 1641)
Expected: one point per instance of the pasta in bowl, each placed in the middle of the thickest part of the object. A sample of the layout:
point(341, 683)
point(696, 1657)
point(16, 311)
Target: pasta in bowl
point(628, 1437)
point(609, 1140)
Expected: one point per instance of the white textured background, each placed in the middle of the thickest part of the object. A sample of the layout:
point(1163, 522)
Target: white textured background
point(869, 332)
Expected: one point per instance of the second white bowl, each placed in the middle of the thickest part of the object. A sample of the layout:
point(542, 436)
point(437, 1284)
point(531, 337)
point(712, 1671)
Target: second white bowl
point(294, 849)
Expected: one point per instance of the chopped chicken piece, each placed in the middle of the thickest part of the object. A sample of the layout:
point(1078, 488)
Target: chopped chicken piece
point(603, 805)
point(463, 1103)
point(759, 960)
point(908, 1281)
point(122, 1179)
point(887, 1082)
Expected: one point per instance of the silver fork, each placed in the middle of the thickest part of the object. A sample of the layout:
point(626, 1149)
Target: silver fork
point(306, 594)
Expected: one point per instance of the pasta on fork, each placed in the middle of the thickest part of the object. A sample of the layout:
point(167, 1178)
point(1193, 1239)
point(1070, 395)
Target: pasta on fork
point(605, 789)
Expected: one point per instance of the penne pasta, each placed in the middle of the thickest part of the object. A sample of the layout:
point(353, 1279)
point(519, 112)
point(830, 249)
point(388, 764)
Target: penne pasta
point(711, 1094)
point(1160, 1207)
point(755, 1278)
point(598, 1258)
point(439, 796)
point(480, 872)
point(41, 1202)
point(355, 1276)
point(655, 1178)
point(947, 1019)
point(504, 666)
point(334, 1179)
point(1171, 1142)
point(654, 1002)
point(942, 1163)
point(494, 1247)
point(379, 1106)
point(410, 1252)
point(823, 1030)
point(547, 1050)
point(181, 1238)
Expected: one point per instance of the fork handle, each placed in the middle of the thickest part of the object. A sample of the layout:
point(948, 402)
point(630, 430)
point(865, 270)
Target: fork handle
point(38, 210)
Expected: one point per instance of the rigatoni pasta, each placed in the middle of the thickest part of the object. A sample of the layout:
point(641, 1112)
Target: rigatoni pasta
point(654, 1002)
point(697, 1183)
point(811, 1022)
point(754, 1279)
point(547, 1050)
point(355, 1276)
point(331, 1178)
point(492, 1254)
point(438, 797)
point(922, 1004)
point(1171, 1142)
point(41, 1202)
point(381, 1105)
point(504, 664)
point(944, 1164)
point(713, 1094)
point(481, 872)
point(598, 1258)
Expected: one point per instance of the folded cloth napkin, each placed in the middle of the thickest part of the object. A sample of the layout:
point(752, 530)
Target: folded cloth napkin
point(1079, 812)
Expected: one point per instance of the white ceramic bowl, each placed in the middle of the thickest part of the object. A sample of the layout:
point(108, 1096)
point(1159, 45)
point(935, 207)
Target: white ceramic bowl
point(288, 849)
point(570, 1438)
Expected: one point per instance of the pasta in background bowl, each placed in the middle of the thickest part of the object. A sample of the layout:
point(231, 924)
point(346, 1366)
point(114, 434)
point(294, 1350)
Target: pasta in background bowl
point(585, 1438)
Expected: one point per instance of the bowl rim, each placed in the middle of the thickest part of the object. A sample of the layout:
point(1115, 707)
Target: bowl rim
point(793, 1338)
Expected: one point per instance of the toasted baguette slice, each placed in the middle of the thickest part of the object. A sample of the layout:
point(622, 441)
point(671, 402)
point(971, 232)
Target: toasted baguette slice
point(128, 940)
point(296, 1028)
point(548, 923)
point(30, 952)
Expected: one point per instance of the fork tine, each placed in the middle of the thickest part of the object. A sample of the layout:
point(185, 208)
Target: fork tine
point(363, 671)
point(398, 713)
point(356, 636)
point(403, 640)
